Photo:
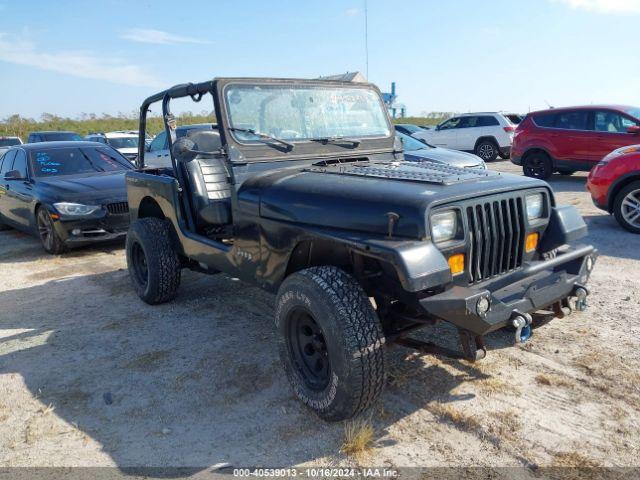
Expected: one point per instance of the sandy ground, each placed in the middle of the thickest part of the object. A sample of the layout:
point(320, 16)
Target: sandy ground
point(91, 376)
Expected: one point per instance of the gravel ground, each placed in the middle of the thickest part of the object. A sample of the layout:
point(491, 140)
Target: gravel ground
point(91, 376)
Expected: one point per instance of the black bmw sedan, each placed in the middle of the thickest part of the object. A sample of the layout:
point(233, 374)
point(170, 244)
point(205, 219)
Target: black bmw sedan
point(66, 193)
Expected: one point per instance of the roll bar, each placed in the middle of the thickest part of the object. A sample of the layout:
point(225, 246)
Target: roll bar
point(193, 90)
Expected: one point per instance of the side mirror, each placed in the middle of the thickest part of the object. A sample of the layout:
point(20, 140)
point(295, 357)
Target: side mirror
point(14, 175)
point(634, 129)
point(183, 150)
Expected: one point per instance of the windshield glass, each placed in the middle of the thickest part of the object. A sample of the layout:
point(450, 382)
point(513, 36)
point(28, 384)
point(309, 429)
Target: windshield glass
point(74, 161)
point(290, 112)
point(123, 142)
point(62, 136)
point(634, 112)
point(411, 128)
point(410, 143)
point(7, 142)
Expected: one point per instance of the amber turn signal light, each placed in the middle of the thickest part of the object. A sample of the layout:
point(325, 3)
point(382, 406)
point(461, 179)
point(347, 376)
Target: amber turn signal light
point(531, 242)
point(456, 263)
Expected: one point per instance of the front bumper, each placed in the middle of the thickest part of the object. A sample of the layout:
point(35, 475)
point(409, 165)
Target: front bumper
point(91, 230)
point(536, 286)
point(516, 160)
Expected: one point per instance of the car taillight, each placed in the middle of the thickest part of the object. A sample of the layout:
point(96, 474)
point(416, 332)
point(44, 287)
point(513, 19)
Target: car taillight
point(509, 129)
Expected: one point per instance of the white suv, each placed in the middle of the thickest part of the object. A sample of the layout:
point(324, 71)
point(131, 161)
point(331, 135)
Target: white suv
point(485, 134)
point(125, 141)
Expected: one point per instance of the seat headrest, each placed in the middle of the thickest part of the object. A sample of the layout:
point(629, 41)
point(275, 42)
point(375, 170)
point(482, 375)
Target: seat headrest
point(205, 140)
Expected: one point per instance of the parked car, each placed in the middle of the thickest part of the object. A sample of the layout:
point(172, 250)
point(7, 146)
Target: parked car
point(418, 150)
point(485, 134)
point(614, 184)
point(302, 191)
point(408, 128)
point(66, 193)
point(54, 136)
point(566, 140)
point(126, 142)
point(7, 142)
point(157, 152)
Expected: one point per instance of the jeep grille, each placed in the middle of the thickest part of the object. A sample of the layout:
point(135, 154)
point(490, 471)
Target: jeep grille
point(496, 237)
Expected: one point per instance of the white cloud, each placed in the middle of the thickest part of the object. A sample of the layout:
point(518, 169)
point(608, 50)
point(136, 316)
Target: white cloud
point(149, 35)
point(21, 51)
point(352, 12)
point(604, 6)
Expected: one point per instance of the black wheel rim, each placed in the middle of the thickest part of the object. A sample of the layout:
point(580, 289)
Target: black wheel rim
point(45, 229)
point(139, 261)
point(308, 348)
point(536, 167)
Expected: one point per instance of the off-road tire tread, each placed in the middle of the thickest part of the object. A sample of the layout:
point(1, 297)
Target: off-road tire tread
point(363, 336)
point(154, 235)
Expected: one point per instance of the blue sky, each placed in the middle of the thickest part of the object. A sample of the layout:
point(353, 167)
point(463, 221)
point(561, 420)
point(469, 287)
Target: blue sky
point(68, 57)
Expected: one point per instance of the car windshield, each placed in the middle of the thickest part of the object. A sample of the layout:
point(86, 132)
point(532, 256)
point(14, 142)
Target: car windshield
point(123, 142)
point(302, 112)
point(634, 112)
point(410, 143)
point(61, 136)
point(8, 142)
point(74, 161)
point(411, 128)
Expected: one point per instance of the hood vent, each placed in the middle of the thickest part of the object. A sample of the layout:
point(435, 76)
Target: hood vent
point(425, 172)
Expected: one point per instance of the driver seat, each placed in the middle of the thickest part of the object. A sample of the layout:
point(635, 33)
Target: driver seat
point(208, 186)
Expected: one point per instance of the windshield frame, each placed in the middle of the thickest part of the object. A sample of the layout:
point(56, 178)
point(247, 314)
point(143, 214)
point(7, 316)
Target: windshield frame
point(260, 151)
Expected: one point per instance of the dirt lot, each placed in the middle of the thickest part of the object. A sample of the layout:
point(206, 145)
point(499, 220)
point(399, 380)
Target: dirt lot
point(89, 375)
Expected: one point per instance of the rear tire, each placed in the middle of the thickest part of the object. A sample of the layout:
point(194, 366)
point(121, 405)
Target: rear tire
point(487, 150)
point(538, 165)
point(49, 238)
point(154, 265)
point(330, 342)
point(626, 207)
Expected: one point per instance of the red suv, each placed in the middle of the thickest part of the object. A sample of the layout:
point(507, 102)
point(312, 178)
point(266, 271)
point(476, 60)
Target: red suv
point(614, 185)
point(566, 140)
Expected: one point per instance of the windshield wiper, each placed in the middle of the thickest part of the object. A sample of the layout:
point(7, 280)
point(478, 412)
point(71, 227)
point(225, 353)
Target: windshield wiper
point(343, 141)
point(95, 167)
point(263, 136)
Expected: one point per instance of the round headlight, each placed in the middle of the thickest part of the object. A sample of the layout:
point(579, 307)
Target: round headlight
point(444, 226)
point(535, 206)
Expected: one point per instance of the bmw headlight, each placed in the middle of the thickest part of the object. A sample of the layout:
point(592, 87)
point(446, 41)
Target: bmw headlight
point(535, 206)
point(75, 209)
point(444, 226)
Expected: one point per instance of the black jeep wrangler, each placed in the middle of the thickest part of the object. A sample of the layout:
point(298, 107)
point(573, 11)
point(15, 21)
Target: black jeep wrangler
point(301, 189)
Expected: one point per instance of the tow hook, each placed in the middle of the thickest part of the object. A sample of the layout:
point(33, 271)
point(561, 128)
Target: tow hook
point(581, 298)
point(522, 323)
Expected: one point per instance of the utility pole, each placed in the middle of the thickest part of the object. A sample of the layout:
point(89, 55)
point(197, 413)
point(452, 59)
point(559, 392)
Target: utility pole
point(366, 37)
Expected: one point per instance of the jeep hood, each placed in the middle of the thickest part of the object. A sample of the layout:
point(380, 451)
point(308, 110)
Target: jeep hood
point(359, 197)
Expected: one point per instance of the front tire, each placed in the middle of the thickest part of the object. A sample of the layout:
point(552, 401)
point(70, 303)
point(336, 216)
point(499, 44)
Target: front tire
point(626, 207)
point(154, 265)
point(49, 238)
point(538, 165)
point(330, 342)
point(487, 150)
